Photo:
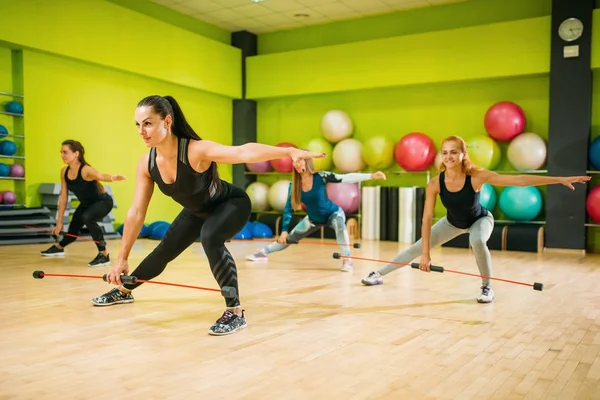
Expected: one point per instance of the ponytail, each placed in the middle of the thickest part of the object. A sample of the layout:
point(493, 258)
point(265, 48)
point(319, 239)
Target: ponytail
point(167, 105)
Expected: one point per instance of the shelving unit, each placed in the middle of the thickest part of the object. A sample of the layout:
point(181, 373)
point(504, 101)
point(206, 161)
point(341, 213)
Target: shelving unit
point(19, 191)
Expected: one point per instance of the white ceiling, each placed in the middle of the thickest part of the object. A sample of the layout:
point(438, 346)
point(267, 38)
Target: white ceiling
point(275, 15)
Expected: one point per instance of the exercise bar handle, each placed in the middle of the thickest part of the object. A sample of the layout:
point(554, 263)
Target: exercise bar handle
point(434, 268)
point(124, 278)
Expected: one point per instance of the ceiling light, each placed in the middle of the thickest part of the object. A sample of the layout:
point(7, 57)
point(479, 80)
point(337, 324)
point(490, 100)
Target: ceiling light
point(257, 1)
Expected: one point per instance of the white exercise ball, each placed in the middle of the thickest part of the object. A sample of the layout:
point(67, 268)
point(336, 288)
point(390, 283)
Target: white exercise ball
point(259, 196)
point(527, 151)
point(347, 156)
point(278, 194)
point(336, 125)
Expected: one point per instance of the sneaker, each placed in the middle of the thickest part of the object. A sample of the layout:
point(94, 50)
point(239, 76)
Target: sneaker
point(228, 323)
point(374, 278)
point(115, 296)
point(347, 266)
point(100, 260)
point(258, 256)
point(53, 251)
point(487, 295)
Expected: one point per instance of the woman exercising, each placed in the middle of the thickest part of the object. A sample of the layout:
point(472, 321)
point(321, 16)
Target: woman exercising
point(94, 203)
point(458, 186)
point(184, 168)
point(309, 187)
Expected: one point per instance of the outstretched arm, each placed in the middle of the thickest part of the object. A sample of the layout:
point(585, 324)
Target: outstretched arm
point(90, 174)
point(496, 179)
point(330, 177)
point(246, 153)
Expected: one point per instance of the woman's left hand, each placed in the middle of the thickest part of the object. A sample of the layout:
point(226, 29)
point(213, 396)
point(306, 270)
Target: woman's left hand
point(569, 180)
point(378, 175)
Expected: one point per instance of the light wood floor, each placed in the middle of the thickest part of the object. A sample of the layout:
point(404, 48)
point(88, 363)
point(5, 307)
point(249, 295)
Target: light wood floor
point(314, 332)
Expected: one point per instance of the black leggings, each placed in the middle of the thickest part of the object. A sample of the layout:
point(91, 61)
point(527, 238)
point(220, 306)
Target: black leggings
point(225, 221)
point(89, 216)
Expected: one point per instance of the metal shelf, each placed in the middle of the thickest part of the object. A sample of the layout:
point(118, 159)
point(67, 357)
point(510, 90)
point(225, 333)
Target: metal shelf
point(10, 134)
point(592, 225)
point(11, 95)
point(13, 157)
point(13, 114)
point(12, 178)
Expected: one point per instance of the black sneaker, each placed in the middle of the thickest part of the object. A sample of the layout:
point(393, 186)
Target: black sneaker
point(100, 260)
point(53, 251)
point(228, 323)
point(113, 297)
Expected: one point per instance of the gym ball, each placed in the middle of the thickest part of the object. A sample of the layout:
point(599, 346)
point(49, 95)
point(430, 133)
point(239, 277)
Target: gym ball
point(13, 107)
point(244, 234)
point(8, 147)
point(347, 156)
point(504, 120)
point(336, 125)
point(521, 203)
point(527, 152)
point(344, 194)
point(595, 153)
point(3, 131)
point(415, 152)
point(259, 196)
point(484, 152)
point(378, 152)
point(4, 169)
point(0, 198)
point(159, 230)
point(17, 171)
point(320, 145)
point(438, 160)
point(488, 197)
point(9, 197)
point(283, 164)
point(592, 204)
point(278, 194)
point(260, 230)
point(261, 166)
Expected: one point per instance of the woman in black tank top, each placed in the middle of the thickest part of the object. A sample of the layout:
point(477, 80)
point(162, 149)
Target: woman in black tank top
point(458, 186)
point(184, 168)
point(83, 181)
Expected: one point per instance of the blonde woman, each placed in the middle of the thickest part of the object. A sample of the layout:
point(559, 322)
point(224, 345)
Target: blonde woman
point(458, 186)
point(309, 187)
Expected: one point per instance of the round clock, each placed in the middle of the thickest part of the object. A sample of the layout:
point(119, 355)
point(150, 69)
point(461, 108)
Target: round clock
point(570, 29)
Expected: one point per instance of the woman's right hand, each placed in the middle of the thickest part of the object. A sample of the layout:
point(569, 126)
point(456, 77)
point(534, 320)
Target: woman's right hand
point(283, 238)
point(114, 276)
point(57, 229)
point(425, 263)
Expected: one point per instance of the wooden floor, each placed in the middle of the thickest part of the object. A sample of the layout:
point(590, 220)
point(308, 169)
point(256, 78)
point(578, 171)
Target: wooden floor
point(314, 332)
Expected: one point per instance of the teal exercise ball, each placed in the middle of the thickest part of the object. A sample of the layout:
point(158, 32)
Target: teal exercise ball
point(521, 203)
point(488, 197)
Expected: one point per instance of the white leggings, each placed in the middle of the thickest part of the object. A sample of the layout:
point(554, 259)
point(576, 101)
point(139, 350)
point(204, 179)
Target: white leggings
point(443, 231)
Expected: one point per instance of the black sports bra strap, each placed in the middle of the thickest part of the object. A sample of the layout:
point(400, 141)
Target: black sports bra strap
point(152, 159)
point(183, 149)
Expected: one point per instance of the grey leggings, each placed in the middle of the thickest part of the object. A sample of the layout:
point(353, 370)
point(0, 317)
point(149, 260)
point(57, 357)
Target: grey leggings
point(337, 221)
point(443, 231)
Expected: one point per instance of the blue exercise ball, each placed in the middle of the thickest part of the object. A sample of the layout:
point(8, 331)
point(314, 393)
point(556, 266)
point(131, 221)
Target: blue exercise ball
point(145, 231)
point(120, 229)
point(8, 147)
point(521, 203)
point(3, 131)
point(595, 153)
point(261, 230)
point(488, 197)
point(4, 169)
point(14, 107)
point(244, 234)
point(159, 230)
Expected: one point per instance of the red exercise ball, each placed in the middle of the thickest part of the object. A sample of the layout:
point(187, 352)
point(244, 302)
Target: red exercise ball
point(415, 152)
point(592, 204)
point(504, 120)
point(283, 164)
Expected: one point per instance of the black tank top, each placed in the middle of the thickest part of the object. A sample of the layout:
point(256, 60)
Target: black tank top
point(87, 192)
point(463, 207)
point(195, 191)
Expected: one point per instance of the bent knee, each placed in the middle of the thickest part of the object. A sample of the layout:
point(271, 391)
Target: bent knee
point(478, 243)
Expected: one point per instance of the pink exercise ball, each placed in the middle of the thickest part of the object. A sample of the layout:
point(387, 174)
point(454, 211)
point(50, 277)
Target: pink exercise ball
point(504, 120)
point(345, 195)
point(17, 171)
point(415, 152)
point(9, 197)
point(592, 204)
point(283, 164)
point(261, 166)
point(0, 198)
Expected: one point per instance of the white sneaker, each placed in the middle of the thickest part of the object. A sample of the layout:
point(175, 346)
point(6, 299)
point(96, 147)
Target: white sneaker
point(487, 295)
point(258, 256)
point(374, 278)
point(347, 266)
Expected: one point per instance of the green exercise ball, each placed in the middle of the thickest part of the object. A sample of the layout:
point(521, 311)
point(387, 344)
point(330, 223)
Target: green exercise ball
point(320, 145)
point(484, 152)
point(378, 152)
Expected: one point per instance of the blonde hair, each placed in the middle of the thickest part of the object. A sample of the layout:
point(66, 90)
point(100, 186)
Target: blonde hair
point(297, 184)
point(467, 165)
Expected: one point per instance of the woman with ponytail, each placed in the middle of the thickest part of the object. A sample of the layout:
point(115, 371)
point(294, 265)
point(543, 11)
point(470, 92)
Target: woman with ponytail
point(83, 181)
point(458, 186)
point(184, 167)
point(309, 188)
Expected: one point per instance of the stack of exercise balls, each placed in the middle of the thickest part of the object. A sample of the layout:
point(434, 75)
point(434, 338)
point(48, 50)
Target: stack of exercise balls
point(592, 204)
